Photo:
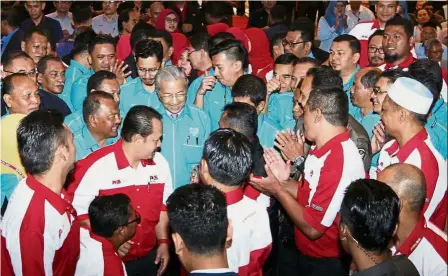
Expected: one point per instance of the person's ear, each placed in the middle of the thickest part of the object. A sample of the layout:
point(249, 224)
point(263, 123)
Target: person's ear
point(412, 41)
point(402, 114)
point(179, 244)
point(261, 106)
point(170, 51)
point(308, 45)
point(89, 59)
point(229, 234)
point(40, 78)
point(22, 46)
point(238, 65)
point(93, 121)
point(317, 115)
point(343, 231)
point(8, 100)
point(203, 166)
point(356, 58)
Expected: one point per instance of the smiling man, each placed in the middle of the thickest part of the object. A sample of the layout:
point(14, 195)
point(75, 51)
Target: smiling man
point(20, 93)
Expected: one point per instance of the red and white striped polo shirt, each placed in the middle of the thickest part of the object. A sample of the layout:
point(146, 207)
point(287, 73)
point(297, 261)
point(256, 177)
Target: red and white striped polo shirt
point(98, 257)
point(107, 172)
point(251, 240)
point(39, 236)
point(328, 172)
point(420, 152)
point(427, 249)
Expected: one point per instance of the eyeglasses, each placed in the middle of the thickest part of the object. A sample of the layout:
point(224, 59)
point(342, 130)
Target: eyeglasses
point(377, 90)
point(178, 96)
point(189, 53)
point(290, 43)
point(373, 49)
point(137, 219)
point(143, 71)
point(31, 73)
point(169, 20)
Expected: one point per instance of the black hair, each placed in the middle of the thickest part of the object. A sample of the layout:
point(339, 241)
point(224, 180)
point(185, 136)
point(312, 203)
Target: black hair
point(400, 21)
point(375, 33)
point(165, 35)
point(430, 24)
point(353, 42)
point(201, 41)
point(82, 41)
point(96, 80)
point(43, 62)
point(141, 31)
point(139, 121)
point(370, 210)
point(123, 17)
point(306, 28)
point(128, 5)
point(35, 30)
point(149, 48)
point(11, 16)
point(39, 134)
point(393, 74)
point(216, 9)
point(429, 73)
point(7, 83)
point(276, 41)
point(370, 78)
point(220, 37)
point(333, 104)
point(233, 49)
point(109, 212)
point(427, 4)
point(228, 155)
point(81, 15)
point(92, 103)
point(250, 86)
point(286, 59)
point(278, 13)
point(101, 39)
point(325, 77)
point(9, 57)
point(306, 60)
point(198, 213)
point(241, 117)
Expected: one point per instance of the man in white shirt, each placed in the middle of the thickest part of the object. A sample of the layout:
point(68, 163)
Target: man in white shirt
point(358, 13)
point(64, 16)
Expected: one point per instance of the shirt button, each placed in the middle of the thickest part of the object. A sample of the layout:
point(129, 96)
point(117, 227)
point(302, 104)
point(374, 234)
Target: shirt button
point(138, 243)
point(139, 225)
point(138, 189)
point(138, 207)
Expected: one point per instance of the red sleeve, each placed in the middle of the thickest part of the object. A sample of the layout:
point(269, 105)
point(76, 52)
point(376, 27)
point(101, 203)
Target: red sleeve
point(6, 267)
point(113, 266)
point(257, 259)
point(32, 253)
point(438, 218)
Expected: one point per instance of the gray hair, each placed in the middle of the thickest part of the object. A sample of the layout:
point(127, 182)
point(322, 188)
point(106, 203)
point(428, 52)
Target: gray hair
point(170, 73)
point(431, 42)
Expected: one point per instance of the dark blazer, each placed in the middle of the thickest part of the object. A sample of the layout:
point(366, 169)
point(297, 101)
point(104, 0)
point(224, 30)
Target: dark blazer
point(15, 42)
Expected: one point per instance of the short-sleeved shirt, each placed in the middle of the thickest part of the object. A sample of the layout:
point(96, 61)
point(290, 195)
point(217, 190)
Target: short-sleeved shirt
point(107, 171)
point(328, 172)
point(436, 126)
point(133, 93)
point(101, 25)
point(50, 101)
point(427, 249)
point(183, 141)
point(98, 257)
point(420, 152)
point(39, 232)
point(251, 239)
point(280, 107)
point(75, 71)
point(85, 144)
point(51, 26)
point(368, 121)
point(66, 22)
point(267, 130)
point(75, 121)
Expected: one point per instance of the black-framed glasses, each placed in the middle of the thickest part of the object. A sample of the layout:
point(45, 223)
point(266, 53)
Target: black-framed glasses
point(373, 49)
point(377, 90)
point(290, 43)
point(32, 72)
point(137, 219)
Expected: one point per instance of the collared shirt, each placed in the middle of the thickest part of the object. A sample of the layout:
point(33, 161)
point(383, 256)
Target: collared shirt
point(85, 144)
point(251, 239)
point(101, 25)
point(328, 172)
point(6, 39)
point(280, 107)
point(75, 121)
point(52, 27)
point(420, 152)
point(363, 14)
point(66, 22)
point(214, 100)
point(267, 130)
point(39, 236)
point(347, 87)
point(79, 92)
point(75, 71)
point(403, 65)
point(133, 93)
point(436, 126)
point(50, 101)
point(362, 31)
point(326, 33)
point(98, 257)
point(420, 51)
point(107, 172)
point(427, 249)
point(397, 266)
point(368, 121)
point(183, 141)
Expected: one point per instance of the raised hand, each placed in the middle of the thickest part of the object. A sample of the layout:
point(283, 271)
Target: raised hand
point(207, 84)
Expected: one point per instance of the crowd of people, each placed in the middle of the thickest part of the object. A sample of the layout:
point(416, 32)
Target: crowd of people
point(167, 138)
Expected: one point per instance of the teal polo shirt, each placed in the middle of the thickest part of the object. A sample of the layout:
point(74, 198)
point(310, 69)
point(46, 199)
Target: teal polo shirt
point(133, 94)
point(436, 126)
point(75, 71)
point(347, 86)
point(85, 144)
point(368, 121)
point(75, 121)
point(267, 130)
point(280, 107)
point(183, 141)
point(214, 100)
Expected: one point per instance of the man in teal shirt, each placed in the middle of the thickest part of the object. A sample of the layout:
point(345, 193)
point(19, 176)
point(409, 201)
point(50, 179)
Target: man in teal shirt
point(229, 60)
point(102, 117)
point(185, 127)
point(141, 90)
point(280, 92)
point(252, 90)
point(362, 111)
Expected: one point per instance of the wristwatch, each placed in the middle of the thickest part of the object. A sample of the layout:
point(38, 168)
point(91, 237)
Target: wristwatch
point(298, 161)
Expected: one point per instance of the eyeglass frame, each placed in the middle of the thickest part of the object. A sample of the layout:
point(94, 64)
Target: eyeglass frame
point(168, 98)
point(291, 44)
point(377, 91)
point(32, 72)
point(377, 49)
point(169, 20)
point(138, 219)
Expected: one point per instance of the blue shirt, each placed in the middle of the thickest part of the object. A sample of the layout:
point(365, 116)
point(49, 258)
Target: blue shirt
point(85, 144)
point(280, 107)
point(66, 22)
point(79, 92)
point(75, 71)
point(8, 184)
point(267, 130)
point(436, 126)
point(6, 39)
point(52, 27)
point(133, 93)
point(101, 25)
point(75, 121)
point(50, 101)
point(183, 141)
point(214, 100)
point(420, 51)
point(347, 87)
point(368, 121)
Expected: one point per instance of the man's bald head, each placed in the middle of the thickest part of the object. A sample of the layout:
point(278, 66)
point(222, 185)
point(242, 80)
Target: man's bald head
point(409, 184)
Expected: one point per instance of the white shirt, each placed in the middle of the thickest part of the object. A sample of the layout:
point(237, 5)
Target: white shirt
point(364, 14)
point(66, 22)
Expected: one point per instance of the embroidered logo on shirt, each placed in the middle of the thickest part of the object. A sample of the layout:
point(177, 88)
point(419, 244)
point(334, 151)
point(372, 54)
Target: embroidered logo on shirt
point(194, 131)
point(153, 178)
point(311, 173)
point(114, 182)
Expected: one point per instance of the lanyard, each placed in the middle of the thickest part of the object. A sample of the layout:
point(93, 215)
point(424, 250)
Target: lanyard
point(13, 168)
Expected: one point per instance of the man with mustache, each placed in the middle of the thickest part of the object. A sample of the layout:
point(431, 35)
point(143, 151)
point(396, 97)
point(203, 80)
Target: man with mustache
point(375, 49)
point(51, 78)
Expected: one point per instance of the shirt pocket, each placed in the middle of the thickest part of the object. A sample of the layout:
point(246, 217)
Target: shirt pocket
point(192, 152)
